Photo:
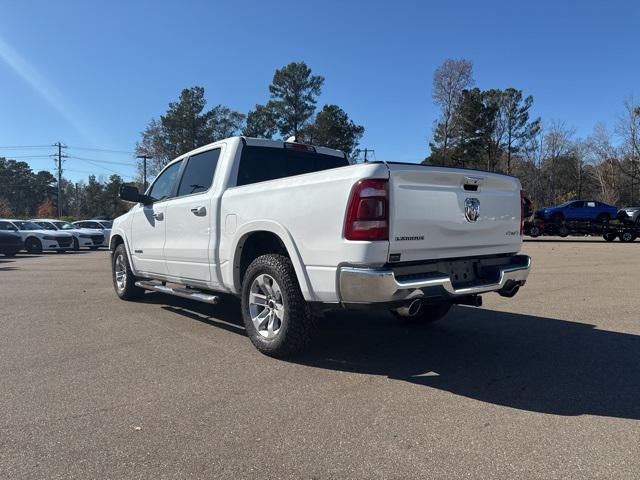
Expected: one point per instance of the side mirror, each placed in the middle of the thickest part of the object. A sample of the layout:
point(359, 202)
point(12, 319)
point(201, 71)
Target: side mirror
point(130, 193)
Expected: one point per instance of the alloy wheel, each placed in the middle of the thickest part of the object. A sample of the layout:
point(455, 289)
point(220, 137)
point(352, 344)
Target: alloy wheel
point(266, 306)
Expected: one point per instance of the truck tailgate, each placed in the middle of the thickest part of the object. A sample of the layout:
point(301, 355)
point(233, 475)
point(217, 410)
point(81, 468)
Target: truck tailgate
point(428, 219)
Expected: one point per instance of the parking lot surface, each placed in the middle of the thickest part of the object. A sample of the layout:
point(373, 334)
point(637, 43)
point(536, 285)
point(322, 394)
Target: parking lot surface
point(544, 385)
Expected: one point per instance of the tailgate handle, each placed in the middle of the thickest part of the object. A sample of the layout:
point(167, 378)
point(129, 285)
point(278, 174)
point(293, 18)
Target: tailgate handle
point(472, 183)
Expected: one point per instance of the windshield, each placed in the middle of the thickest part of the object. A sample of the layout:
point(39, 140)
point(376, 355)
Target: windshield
point(106, 224)
point(46, 225)
point(28, 226)
point(65, 225)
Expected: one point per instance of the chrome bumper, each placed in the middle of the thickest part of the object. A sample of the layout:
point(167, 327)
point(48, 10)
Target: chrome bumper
point(367, 285)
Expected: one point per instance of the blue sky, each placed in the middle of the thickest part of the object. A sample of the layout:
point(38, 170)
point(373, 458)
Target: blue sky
point(92, 74)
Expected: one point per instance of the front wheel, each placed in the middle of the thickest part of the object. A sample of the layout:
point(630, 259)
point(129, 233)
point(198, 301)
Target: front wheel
point(609, 237)
point(426, 314)
point(123, 279)
point(33, 245)
point(76, 244)
point(10, 253)
point(534, 232)
point(276, 315)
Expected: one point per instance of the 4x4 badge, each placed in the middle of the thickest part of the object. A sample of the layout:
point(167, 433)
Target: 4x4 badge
point(471, 209)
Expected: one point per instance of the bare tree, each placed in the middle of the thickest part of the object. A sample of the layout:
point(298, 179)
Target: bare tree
point(604, 157)
point(628, 130)
point(558, 147)
point(449, 80)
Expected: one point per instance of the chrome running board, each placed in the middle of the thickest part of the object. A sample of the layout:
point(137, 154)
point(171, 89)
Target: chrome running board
point(179, 292)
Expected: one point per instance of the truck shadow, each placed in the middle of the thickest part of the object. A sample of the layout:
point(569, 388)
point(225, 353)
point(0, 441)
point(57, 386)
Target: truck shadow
point(520, 361)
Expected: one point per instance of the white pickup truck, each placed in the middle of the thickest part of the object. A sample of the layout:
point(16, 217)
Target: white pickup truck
point(295, 230)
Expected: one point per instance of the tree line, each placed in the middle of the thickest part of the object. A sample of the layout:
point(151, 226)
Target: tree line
point(25, 193)
point(291, 111)
point(493, 130)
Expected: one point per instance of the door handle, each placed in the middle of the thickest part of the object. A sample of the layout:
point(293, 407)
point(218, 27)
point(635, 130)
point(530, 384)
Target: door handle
point(158, 216)
point(199, 211)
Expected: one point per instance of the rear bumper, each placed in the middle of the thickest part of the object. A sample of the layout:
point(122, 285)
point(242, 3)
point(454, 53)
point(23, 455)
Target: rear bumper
point(359, 285)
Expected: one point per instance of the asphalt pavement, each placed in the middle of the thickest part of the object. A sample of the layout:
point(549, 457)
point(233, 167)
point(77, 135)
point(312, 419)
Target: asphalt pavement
point(544, 385)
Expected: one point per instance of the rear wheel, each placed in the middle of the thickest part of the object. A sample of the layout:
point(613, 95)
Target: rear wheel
point(10, 253)
point(33, 245)
point(123, 278)
point(534, 231)
point(426, 314)
point(276, 315)
point(76, 244)
point(563, 231)
point(627, 236)
point(609, 237)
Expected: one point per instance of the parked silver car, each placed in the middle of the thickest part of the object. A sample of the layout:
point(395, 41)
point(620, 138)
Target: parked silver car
point(633, 213)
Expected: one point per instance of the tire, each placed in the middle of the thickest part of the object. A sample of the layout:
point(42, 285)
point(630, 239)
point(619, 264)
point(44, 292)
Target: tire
point(93, 248)
point(534, 232)
point(627, 236)
point(603, 218)
point(76, 244)
point(557, 217)
point(10, 253)
point(426, 315)
point(61, 251)
point(609, 237)
point(33, 245)
point(275, 314)
point(122, 276)
point(563, 231)
point(638, 220)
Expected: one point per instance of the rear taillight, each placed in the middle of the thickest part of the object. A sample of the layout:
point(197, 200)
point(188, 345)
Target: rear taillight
point(368, 211)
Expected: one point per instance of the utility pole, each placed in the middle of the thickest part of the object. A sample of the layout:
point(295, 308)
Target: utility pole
point(144, 169)
point(59, 161)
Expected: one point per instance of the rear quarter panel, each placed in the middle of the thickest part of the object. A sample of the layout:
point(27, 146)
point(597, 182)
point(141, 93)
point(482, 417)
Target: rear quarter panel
point(307, 213)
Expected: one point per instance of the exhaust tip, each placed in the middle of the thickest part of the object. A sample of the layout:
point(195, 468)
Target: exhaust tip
point(410, 310)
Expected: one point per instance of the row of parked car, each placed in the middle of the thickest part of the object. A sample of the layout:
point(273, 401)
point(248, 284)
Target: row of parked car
point(47, 234)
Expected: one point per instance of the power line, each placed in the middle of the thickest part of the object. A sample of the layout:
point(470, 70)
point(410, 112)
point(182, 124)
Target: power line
point(102, 150)
point(100, 166)
point(12, 157)
point(15, 147)
point(102, 161)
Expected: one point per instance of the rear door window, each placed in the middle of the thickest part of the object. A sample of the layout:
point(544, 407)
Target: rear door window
point(198, 174)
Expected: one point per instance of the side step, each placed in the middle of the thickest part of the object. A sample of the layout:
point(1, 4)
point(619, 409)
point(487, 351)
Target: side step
point(179, 292)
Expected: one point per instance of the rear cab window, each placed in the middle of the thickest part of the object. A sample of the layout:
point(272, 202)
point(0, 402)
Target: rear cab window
point(261, 164)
